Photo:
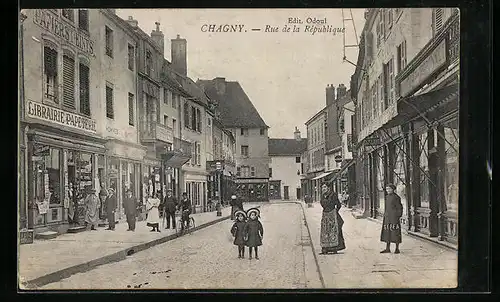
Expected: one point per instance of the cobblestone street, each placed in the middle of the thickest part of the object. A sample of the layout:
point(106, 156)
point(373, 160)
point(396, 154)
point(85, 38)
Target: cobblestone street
point(208, 259)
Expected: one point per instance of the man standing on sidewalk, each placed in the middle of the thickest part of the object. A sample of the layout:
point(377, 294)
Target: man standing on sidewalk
point(130, 207)
point(185, 207)
point(169, 206)
point(110, 209)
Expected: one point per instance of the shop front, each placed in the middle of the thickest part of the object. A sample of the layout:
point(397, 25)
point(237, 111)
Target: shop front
point(252, 190)
point(196, 189)
point(61, 168)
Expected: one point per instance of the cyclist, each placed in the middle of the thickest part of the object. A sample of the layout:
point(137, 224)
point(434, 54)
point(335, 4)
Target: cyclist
point(185, 208)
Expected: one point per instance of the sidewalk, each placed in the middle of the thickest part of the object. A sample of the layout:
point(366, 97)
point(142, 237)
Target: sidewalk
point(421, 264)
point(46, 261)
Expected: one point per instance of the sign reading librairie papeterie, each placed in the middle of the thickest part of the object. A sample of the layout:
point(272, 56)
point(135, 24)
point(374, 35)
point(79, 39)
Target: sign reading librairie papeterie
point(60, 117)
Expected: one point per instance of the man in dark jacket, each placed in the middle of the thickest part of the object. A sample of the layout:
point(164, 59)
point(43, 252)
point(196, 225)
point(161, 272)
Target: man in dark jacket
point(110, 209)
point(130, 207)
point(185, 207)
point(169, 206)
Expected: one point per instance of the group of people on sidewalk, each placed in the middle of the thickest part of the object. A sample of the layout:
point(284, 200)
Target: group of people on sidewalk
point(153, 207)
point(331, 236)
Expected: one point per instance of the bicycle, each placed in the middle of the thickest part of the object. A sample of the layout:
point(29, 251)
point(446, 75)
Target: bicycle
point(178, 226)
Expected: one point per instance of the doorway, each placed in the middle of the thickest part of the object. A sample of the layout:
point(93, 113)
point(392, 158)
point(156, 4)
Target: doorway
point(299, 196)
point(286, 193)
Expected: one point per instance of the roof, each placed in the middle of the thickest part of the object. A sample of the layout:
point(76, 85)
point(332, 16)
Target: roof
point(236, 109)
point(315, 116)
point(286, 146)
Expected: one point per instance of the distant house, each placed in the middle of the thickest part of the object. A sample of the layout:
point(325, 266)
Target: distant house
point(286, 167)
point(239, 116)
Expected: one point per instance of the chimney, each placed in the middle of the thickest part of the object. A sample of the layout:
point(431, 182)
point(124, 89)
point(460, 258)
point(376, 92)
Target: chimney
point(341, 91)
point(132, 22)
point(330, 94)
point(179, 55)
point(220, 85)
point(158, 37)
point(296, 134)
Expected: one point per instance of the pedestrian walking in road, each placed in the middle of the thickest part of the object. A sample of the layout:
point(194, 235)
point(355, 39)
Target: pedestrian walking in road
point(253, 232)
point(391, 225)
point(169, 206)
point(331, 237)
point(236, 205)
point(238, 232)
point(92, 205)
point(185, 208)
point(153, 219)
point(130, 207)
point(111, 204)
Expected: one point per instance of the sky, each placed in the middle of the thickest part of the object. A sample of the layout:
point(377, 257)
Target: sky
point(284, 74)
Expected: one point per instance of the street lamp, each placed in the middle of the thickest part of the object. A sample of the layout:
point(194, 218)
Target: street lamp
point(218, 168)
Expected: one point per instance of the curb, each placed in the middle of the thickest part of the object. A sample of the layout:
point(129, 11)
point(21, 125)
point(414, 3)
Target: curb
point(115, 257)
point(321, 279)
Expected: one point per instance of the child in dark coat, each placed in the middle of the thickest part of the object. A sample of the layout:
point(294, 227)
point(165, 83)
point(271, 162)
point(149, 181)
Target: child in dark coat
point(253, 232)
point(237, 231)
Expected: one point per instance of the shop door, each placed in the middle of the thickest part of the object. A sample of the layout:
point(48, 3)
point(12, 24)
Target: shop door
point(286, 193)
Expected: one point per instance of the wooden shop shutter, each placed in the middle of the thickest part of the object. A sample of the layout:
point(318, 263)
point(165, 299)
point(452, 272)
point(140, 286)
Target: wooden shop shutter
point(109, 102)
point(68, 81)
point(131, 109)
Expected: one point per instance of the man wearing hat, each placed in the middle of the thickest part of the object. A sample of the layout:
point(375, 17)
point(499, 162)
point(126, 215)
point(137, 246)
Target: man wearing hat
point(92, 205)
point(185, 207)
point(130, 207)
point(169, 205)
point(236, 204)
point(110, 209)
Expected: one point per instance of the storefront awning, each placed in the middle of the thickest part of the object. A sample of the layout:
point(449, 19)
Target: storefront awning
point(323, 175)
point(174, 159)
point(411, 107)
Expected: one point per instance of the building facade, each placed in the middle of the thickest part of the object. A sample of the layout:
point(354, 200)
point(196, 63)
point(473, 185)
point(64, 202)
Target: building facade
point(239, 116)
point(285, 168)
point(407, 112)
point(316, 143)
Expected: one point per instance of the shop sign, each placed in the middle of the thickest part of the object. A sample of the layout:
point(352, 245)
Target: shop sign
point(47, 113)
point(51, 22)
point(434, 61)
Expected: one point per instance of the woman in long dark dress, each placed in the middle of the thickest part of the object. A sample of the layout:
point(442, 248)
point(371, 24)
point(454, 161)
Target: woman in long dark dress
point(391, 225)
point(331, 237)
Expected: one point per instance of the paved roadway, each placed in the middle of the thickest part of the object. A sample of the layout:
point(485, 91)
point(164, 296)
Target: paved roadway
point(208, 259)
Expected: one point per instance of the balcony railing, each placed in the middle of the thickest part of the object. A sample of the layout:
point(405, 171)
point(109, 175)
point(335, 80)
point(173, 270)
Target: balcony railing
point(154, 131)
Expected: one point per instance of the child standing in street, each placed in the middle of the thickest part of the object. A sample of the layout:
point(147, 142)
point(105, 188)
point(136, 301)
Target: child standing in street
point(237, 231)
point(253, 232)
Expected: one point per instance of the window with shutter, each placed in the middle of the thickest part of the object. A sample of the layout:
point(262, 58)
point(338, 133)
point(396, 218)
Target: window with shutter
point(84, 89)
point(198, 120)
point(165, 96)
point(193, 118)
point(50, 71)
point(83, 19)
point(198, 160)
point(390, 66)
point(109, 41)
point(109, 103)
point(381, 92)
point(131, 57)
point(438, 20)
point(68, 81)
point(174, 98)
point(130, 109)
point(186, 115)
point(68, 14)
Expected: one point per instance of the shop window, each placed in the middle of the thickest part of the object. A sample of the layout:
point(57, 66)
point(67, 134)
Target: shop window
point(424, 170)
point(50, 72)
point(109, 41)
point(84, 89)
point(48, 175)
point(83, 19)
point(451, 165)
point(109, 102)
point(68, 81)
point(131, 57)
point(68, 14)
point(131, 109)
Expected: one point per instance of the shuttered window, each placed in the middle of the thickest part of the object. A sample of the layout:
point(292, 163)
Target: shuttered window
point(83, 19)
point(438, 20)
point(109, 41)
point(69, 81)
point(131, 57)
point(198, 120)
point(50, 72)
point(193, 118)
point(198, 153)
point(109, 103)
point(84, 89)
point(186, 115)
point(130, 109)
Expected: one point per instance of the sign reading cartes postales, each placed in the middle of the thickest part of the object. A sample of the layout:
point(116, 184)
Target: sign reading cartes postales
point(60, 117)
